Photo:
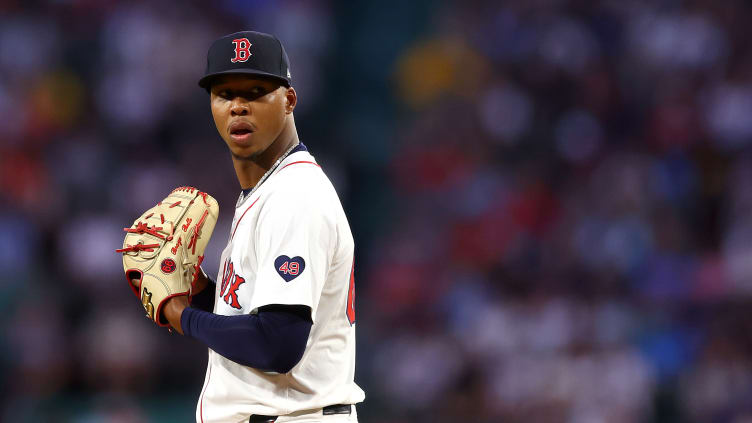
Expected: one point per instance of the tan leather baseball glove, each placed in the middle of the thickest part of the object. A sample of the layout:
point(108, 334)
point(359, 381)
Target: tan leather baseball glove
point(164, 248)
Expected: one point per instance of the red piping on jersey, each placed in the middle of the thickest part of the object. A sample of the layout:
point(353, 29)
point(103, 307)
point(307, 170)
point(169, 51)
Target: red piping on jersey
point(301, 161)
point(241, 218)
point(201, 405)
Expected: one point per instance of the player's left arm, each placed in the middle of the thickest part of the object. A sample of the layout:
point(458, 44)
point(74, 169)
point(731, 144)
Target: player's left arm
point(274, 339)
point(295, 243)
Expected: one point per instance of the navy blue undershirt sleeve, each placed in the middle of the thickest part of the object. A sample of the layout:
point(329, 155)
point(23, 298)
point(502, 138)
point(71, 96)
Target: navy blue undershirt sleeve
point(272, 340)
point(204, 300)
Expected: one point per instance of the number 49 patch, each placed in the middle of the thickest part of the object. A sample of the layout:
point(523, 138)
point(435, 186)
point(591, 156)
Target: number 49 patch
point(289, 268)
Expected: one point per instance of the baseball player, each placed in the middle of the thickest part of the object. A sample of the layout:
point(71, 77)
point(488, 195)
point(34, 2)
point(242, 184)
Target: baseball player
point(279, 322)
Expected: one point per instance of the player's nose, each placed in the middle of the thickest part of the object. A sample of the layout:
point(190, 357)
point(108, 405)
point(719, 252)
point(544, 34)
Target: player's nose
point(240, 108)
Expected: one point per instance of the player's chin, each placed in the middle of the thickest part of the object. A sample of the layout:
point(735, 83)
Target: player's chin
point(248, 153)
point(241, 150)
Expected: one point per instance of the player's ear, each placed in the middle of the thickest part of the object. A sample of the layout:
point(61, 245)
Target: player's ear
point(291, 99)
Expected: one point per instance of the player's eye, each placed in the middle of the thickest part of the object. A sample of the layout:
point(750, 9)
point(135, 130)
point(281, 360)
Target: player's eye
point(226, 94)
point(258, 91)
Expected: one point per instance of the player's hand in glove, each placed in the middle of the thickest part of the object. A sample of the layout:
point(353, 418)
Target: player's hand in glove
point(164, 248)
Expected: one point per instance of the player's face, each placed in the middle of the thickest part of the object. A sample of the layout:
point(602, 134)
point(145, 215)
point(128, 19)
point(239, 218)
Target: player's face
point(249, 113)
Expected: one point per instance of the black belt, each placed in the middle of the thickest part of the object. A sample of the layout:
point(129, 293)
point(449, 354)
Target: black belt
point(328, 410)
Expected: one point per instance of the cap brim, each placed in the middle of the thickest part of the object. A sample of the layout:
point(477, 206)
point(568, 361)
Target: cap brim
point(205, 82)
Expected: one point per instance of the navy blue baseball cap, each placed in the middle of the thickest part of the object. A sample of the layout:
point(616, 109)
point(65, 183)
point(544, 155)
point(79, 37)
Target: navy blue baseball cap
point(248, 53)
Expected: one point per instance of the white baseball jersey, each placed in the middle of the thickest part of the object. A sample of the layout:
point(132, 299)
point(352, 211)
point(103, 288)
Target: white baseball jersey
point(290, 243)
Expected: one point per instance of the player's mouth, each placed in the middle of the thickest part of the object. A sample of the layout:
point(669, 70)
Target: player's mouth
point(241, 131)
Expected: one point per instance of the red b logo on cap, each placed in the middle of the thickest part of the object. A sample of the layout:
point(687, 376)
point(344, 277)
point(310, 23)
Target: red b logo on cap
point(242, 53)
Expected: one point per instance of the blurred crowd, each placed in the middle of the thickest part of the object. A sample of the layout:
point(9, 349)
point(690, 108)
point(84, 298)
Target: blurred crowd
point(550, 200)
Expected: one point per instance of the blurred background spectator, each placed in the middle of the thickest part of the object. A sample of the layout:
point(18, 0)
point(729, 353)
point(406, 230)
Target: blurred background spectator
point(551, 201)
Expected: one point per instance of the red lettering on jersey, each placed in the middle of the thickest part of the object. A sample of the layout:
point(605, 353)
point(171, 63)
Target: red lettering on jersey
point(290, 268)
point(351, 296)
point(232, 294)
point(242, 50)
point(227, 273)
point(228, 291)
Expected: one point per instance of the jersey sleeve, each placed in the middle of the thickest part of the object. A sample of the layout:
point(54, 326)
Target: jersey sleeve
point(294, 242)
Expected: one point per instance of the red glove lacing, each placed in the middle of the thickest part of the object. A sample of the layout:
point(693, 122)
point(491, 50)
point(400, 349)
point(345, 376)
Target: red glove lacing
point(138, 247)
point(142, 227)
point(197, 232)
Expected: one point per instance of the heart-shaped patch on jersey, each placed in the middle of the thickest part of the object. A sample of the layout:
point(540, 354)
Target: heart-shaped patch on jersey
point(289, 268)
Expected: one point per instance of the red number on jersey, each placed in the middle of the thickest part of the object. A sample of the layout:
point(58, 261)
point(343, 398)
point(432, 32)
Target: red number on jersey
point(351, 296)
point(284, 268)
point(294, 267)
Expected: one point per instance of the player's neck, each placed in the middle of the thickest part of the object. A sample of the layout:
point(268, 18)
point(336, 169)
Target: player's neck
point(249, 172)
